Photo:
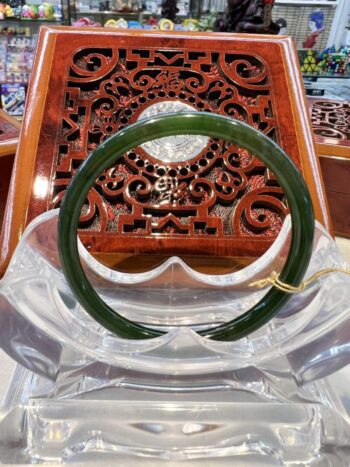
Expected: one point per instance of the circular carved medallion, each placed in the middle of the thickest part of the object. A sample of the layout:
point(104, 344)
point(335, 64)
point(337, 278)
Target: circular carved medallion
point(173, 148)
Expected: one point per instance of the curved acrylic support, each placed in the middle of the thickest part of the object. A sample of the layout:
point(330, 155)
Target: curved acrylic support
point(311, 331)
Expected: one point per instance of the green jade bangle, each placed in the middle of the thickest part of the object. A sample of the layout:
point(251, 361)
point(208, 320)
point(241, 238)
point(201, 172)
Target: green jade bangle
point(191, 123)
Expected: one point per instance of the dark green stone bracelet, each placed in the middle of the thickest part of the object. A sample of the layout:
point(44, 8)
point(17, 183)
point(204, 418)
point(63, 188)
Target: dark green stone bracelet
point(198, 123)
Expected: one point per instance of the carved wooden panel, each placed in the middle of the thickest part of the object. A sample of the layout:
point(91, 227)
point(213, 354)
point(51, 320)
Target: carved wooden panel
point(187, 186)
point(9, 132)
point(179, 195)
point(331, 125)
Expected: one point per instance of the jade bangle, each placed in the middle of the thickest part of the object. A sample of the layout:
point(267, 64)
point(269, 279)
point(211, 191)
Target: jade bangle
point(192, 123)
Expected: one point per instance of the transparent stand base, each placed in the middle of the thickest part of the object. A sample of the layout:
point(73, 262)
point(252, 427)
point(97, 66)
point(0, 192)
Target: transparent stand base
point(210, 424)
point(276, 397)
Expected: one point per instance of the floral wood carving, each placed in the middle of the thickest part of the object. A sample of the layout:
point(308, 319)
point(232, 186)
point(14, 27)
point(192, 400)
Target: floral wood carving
point(222, 191)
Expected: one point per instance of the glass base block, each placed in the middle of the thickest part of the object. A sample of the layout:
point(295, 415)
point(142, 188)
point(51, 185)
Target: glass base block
point(204, 427)
point(244, 433)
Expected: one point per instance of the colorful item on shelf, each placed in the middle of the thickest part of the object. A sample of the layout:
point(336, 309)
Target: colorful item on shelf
point(57, 12)
point(17, 11)
point(310, 64)
point(82, 22)
point(30, 11)
point(152, 21)
point(13, 98)
point(332, 61)
point(17, 31)
point(134, 25)
point(46, 11)
point(207, 22)
point(316, 26)
point(121, 23)
point(191, 24)
point(3, 53)
point(152, 24)
point(166, 25)
point(329, 62)
point(5, 11)
point(111, 23)
point(18, 52)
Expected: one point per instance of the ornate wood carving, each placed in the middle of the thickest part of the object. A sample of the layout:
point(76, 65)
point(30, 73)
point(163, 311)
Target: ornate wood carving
point(331, 119)
point(221, 191)
point(216, 198)
point(331, 126)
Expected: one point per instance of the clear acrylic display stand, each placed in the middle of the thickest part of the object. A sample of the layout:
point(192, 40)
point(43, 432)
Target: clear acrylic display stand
point(80, 393)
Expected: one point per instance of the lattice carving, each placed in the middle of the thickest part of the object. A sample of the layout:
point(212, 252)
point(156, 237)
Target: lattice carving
point(221, 191)
point(331, 119)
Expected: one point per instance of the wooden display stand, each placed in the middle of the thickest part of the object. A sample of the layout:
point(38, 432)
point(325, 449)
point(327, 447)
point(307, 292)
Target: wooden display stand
point(216, 199)
point(9, 132)
point(331, 125)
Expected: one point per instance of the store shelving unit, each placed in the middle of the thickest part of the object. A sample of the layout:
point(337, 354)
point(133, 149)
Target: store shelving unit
point(296, 13)
point(17, 47)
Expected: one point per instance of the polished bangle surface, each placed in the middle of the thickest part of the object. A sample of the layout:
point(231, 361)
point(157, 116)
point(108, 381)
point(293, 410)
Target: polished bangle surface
point(192, 123)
